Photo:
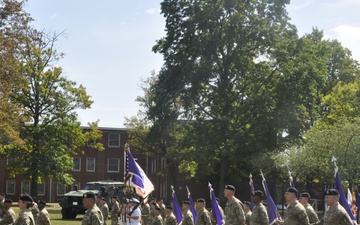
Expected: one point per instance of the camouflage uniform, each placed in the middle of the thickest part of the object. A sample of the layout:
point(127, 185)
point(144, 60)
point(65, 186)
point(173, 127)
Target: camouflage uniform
point(187, 219)
point(247, 217)
point(158, 220)
point(234, 212)
point(313, 217)
point(170, 220)
point(35, 210)
point(203, 217)
point(8, 218)
point(43, 218)
point(151, 217)
point(162, 208)
point(93, 216)
point(145, 211)
point(213, 218)
point(336, 215)
point(296, 214)
point(105, 211)
point(2, 210)
point(259, 215)
point(114, 214)
point(25, 218)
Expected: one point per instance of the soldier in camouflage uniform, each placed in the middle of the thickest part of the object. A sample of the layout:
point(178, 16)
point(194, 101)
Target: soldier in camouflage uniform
point(170, 218)
point(158, 218)
point(35, 209)
point(104, 209)
point(2, 201)
point(9, 217)
point(151, 216)
point(188, 218)
point(335, 214)
point(43, 217)
point(115, 211)
point(145, 211)
point(234, 210)
point(259, 214)
point(162, 207)
point(304, 199)
point(25, 216)
point(93, 215)
point(295, 212)
point(203, 215)
point(247, 211)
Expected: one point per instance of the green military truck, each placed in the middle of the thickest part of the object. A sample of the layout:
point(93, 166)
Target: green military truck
point(72, 205)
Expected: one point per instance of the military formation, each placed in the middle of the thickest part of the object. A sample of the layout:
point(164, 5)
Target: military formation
point(134, 212)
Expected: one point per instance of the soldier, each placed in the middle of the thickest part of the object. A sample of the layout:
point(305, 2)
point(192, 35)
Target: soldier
point(170, 218)
point(234, 212)
point(158, 218)
point(93, 215)
point(188, 218)
point(162, 207)
point(35, 208)
point(295, 212)
point(203, 215)
point(9, 216)
point(304, 200)
point(145, 211)
point(25, 216)
point(247, 211)
point(212, 214)
point(104, 209)
point(43, 217)
point(2, 201)
point(97, 200)
point(259, 214)
point(335, 214)
point(135, 217)
point(115, 211)
point(151, 216)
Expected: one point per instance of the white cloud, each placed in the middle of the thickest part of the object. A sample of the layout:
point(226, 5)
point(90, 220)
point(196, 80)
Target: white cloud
point(301, 5)
point(349, 36)
point(54, 15)
point(153, 11)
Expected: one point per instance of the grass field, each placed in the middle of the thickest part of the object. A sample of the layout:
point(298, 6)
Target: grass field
point(55, 215)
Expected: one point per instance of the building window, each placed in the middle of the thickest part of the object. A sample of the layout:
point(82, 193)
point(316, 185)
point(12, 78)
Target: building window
point(10, 187)
point(153, 166)
point(114, 140)
point(90, 164)
point(75, 186)
point(60, 189)
point(90, 143)
point(77, 164)
point(41, 189)
point(113, 165)
point(25, 186)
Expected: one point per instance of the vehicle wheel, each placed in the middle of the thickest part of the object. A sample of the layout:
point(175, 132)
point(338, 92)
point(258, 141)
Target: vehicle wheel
point(66, 213)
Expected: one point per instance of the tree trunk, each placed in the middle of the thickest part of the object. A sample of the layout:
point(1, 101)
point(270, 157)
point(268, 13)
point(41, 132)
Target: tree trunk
point(224, 167)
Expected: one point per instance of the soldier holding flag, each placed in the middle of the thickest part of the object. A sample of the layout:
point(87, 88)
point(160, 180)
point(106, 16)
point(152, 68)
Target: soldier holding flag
point(335, 214)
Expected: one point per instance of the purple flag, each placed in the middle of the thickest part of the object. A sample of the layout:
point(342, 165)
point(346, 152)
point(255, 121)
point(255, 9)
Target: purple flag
point(192, 208)
point(342, 199)
point(215, 207)
point(176, 207)
point(271, 207)
point(252, 190)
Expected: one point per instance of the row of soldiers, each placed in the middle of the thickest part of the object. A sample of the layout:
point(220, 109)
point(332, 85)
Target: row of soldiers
point(32, 212)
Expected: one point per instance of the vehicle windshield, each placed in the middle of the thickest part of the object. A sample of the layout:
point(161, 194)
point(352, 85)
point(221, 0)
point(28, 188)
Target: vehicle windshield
point(95, 186)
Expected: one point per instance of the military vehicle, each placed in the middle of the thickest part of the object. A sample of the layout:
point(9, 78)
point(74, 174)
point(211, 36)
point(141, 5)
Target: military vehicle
point(72, 205)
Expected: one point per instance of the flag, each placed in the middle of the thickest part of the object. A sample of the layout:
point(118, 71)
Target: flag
point(339, 188)
point(357, 202)
point(215, 207)
point(137, 178)
point(271, 207)
point(192, 208)
point(176, 207)
point(292, 184)
point(349, 197)
point(353, 205)
point(252, 190)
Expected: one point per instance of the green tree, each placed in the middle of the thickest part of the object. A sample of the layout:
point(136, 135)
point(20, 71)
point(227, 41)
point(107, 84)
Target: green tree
point(52, 134)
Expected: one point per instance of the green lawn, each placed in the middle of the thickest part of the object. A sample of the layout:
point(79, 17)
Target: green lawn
point(55, 215)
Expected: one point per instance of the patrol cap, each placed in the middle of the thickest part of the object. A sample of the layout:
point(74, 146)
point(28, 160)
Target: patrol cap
point(332, 192)
point(89, 195)
point(230, 187)
point(304, 195)
point(114, 196)
point(25, 197)
point(102, 198)
point(200, 200)
point(42, 202)
point(186, 202)
point(152, 198)
point(247, 203)
point(258, 193)
point(169, 207)
point(153, 203)
point(134, 200)
point(292, 190)
point(157, 208)
point(8, 200)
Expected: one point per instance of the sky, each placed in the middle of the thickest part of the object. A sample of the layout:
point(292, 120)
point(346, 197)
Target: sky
point(108, 44)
